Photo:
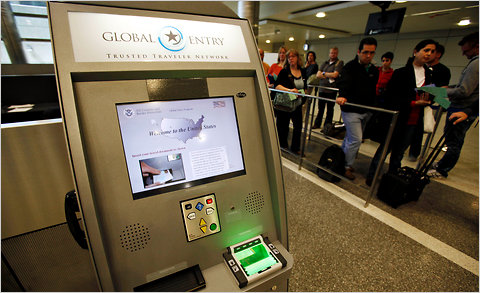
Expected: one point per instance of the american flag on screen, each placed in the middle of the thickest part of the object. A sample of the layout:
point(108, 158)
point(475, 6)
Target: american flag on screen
point(218, 104)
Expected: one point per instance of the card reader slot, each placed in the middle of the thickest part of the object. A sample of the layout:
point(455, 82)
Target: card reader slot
point(187, 280)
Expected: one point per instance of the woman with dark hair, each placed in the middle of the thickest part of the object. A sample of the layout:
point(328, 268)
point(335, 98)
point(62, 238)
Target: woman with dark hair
point(402, 95)
point(311, 65)
point(291, 78)
point(311, 68)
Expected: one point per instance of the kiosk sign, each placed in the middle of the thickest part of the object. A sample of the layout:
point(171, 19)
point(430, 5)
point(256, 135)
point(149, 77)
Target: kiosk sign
point(100, 37)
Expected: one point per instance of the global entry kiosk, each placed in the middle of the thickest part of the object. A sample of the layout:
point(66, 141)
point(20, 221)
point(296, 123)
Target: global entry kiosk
point(173, 148)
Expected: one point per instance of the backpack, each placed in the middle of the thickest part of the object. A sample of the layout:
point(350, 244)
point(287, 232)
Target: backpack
point(333, 158)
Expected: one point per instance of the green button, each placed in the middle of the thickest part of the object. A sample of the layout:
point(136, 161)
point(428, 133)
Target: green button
point(213, 227)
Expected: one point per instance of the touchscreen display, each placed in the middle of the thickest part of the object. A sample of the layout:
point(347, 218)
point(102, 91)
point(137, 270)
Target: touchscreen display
point(176, 144)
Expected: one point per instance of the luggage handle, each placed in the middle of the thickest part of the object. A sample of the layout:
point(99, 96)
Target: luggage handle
point(433, 155)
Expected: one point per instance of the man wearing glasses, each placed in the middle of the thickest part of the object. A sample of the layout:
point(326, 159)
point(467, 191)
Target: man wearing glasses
point(357, 85)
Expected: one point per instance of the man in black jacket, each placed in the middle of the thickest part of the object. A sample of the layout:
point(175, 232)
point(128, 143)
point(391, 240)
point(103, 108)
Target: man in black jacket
point(357, 84)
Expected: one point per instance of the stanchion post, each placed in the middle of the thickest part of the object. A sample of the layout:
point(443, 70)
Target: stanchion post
point(304, 134)
point(314, 101)
point(317, 92)
point(382, 157)
point(429, 139)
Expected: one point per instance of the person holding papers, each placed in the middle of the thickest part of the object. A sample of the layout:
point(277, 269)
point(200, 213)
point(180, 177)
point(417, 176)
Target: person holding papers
point(402, 94)
point(292, 78)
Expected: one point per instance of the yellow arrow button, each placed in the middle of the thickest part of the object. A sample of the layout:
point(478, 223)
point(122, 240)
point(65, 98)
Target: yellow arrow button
point(204, 229)
point(202, 222)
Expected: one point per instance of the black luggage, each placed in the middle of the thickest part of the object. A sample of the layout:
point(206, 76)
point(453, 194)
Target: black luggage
point(332, 159)
point(407, 184)
point(377, 127)
point(401, 187)
point(335, 130)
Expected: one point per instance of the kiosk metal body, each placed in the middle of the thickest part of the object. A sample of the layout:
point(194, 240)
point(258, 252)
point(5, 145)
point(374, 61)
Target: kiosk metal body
point(129, 79)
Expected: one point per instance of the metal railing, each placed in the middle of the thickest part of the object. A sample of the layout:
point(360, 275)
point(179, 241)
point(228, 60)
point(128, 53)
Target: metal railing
point(306, 128)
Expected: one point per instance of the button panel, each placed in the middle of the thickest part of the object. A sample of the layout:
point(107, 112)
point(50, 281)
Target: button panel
point(203, 220)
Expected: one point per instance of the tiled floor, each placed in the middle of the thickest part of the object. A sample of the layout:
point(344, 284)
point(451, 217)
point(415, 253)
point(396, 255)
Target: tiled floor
point(339, 245)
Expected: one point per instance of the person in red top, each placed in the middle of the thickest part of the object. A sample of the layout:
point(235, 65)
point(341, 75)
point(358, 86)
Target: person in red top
point(385, 73)
point(377, 127)
point(277, 67)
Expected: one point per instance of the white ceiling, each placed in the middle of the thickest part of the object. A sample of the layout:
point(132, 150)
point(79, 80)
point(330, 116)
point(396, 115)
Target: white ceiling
point(279, 20)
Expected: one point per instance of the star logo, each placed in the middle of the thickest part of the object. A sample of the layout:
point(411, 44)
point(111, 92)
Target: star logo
point(171, 38)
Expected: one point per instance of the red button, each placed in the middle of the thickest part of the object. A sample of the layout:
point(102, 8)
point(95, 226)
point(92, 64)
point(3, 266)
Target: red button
point(209, 200)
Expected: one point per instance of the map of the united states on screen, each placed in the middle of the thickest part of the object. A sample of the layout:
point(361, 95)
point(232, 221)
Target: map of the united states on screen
point(182, 129)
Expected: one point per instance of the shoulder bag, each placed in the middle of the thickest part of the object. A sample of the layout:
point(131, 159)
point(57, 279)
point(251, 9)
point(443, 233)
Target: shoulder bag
point(286, 102)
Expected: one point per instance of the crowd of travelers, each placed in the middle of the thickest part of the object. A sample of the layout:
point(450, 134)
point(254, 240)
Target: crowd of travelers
point(360, 82)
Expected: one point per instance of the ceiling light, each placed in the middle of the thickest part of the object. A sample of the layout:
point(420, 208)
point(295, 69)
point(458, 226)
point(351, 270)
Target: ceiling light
point(464, 22)
point(400, 1)
point(322, 36)
point(267, 41)
point(320, 14)
point(291, 39)
point(435, 11)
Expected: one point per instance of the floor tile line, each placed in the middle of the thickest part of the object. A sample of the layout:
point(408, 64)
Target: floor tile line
point(439, 247)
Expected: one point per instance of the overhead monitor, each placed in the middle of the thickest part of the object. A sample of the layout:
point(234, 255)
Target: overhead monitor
point(385, 22)
point(170, 145)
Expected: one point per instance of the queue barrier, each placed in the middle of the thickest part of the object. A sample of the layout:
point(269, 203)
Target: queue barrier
point(394, 114)
point(305, 129)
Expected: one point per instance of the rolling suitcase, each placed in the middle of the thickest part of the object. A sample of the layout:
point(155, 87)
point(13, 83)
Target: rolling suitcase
point(407, 184)
point(333, 158)
point(403, 186)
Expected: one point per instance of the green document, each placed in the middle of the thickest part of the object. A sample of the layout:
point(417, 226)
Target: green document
point(440, 94)
point(293, 96)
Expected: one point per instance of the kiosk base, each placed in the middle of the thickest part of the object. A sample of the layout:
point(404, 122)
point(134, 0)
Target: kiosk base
point(187, 280)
